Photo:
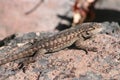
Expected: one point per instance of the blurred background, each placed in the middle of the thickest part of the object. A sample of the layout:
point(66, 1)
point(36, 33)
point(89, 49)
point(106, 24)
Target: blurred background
point(22, 16)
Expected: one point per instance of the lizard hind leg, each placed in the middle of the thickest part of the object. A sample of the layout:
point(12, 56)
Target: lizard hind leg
point(24, 64)
point(31, 59)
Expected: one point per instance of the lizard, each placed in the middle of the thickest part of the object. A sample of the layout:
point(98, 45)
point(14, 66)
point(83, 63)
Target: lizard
point(59, 41)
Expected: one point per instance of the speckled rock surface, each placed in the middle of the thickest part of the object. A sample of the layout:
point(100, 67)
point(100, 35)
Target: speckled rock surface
point(67, 64)
point(74, 64)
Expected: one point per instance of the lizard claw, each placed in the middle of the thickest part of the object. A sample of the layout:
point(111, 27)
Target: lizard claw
point(22, 66)
point(94, 49)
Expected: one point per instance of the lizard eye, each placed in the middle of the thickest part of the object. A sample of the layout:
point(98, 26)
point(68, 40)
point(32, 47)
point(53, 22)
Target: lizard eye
point(87, 33)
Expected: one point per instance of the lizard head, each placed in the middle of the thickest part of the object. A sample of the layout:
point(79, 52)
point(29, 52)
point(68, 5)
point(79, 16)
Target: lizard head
point(95, 28)
point(92, 27)
point(89, 29)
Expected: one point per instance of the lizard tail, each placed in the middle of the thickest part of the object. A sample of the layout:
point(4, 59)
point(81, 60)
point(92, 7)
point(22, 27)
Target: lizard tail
point(27, 52)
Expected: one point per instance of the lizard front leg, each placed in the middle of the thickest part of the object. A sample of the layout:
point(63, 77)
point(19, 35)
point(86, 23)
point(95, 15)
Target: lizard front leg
point(83, 44)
